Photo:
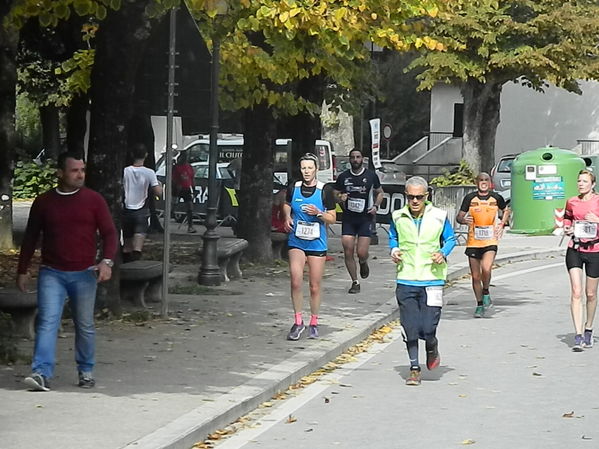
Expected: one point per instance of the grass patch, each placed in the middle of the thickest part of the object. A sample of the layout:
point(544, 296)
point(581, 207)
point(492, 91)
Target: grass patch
point(9, 352)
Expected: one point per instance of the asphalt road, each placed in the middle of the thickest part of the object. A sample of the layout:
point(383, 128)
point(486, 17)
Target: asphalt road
point(506, 381)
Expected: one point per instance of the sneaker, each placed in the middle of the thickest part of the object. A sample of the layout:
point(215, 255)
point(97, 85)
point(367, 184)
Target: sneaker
point(578, 340)
point(479, 312)
point(355, 287)
point(86, 380)
point(587, 338)
point(414, 378)
point(487, 303)
point(364, 270)
point(313, 331)
point(296, 332)
point(433, 359)
point(37, 382)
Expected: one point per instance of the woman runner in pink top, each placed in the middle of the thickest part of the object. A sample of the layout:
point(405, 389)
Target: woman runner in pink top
point(581, 221)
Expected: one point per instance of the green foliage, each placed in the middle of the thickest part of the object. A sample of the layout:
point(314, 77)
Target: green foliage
point(459, 176)
point(50, 12)
point(528, 41)
point(8, 346)
point(270, 45)
point(30, 180)
point(27, 124)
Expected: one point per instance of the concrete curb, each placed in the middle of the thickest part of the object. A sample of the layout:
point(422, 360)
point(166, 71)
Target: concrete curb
point(195, 425)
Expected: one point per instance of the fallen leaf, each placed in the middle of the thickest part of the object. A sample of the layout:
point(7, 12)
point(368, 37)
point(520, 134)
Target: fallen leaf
point(326, 400)
point(568, 415)
point(465, 442)
point(266, 404)
point(584, 437)
point(291, 419)
point(536, 374)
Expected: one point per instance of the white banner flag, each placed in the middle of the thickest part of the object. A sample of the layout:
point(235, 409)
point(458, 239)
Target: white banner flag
point(375, 133)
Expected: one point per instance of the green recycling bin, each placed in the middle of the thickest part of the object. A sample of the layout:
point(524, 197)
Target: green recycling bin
point(542, 181)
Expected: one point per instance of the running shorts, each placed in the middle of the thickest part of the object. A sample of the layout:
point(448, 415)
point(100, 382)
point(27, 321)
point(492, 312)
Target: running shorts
point(578, 259)
point(359, 225)
point(310, 253)
point(477, 253)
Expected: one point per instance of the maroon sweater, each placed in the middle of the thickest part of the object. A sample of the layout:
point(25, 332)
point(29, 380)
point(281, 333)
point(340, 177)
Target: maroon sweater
point(68, 225)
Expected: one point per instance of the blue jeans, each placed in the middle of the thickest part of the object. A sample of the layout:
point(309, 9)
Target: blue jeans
point(418, 320)
point(53, 287)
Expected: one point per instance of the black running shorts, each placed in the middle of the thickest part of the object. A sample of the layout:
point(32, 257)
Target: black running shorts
point(477, 253)
point(578, 259)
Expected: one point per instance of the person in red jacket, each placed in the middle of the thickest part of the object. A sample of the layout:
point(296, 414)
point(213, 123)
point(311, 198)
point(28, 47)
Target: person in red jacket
point(68, 218)
point(183, 186)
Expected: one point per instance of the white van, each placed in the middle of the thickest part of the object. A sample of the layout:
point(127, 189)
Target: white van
point(323, 149)
point(230, 147)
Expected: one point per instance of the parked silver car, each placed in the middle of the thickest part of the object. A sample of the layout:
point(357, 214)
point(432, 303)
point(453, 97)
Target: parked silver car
point(501, 173)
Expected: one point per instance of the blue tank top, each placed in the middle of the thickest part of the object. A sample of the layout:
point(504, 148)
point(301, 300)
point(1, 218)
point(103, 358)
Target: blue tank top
point(305, 226)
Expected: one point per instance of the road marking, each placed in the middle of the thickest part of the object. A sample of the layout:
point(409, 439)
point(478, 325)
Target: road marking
point(529, 270)
point(289, 406)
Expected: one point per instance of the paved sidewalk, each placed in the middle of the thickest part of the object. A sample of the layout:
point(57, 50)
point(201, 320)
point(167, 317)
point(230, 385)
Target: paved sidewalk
point(168, 383)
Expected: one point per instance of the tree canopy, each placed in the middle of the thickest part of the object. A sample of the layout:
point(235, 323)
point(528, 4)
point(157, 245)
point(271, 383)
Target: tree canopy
point(267, 45)
point(491, 42)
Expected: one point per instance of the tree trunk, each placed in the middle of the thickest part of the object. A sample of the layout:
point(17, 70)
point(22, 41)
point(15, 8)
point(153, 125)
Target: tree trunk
point(255, 196)
point(303, 128)
point(482, 103)
point(77, 124)
point(120, 43)
point(8, 79)
point(50, 130)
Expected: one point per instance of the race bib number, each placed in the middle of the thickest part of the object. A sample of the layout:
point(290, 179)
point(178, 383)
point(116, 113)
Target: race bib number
point(356, 204)
point(434, 296)
point(307, 230)
point(585, 229)
point(483, 232)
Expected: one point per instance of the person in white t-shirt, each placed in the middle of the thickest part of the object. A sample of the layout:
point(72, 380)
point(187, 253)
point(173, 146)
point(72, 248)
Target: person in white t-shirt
point(138, 182)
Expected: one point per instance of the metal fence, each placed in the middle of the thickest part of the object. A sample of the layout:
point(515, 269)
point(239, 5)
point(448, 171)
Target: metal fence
point(427, 171)
point(437, 137)
point(588, 146)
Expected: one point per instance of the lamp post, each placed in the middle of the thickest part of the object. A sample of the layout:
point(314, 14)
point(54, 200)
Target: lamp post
point(169, 158)
point(209, 271)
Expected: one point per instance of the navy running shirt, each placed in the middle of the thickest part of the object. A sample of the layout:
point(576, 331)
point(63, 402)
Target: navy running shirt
point(360, 190)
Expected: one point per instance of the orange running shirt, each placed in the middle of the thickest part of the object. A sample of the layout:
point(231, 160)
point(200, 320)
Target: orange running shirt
point(484, 210)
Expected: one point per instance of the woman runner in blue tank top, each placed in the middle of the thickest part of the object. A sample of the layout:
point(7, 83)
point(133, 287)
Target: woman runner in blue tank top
point(309, 208)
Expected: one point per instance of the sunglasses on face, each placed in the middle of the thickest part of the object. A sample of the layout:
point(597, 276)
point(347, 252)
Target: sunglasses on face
point(415, 197)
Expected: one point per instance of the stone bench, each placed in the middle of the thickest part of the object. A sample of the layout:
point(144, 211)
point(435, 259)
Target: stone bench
point(22, 308)
point(228, 254)
point(141, 281)
point(279, 244)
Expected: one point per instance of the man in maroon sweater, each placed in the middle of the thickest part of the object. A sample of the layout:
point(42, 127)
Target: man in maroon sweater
point(68, 219)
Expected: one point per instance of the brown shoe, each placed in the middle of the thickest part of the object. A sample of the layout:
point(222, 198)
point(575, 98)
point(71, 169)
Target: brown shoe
point(414, 378)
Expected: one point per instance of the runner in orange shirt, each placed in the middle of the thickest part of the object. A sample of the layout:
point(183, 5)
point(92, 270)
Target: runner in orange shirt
point(479, 211)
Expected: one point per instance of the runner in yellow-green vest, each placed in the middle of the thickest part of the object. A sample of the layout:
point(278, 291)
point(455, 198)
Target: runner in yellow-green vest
point(420, 239)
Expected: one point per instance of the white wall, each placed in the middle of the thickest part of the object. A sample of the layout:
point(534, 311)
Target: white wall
point(530, 119)
point(443, 97)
